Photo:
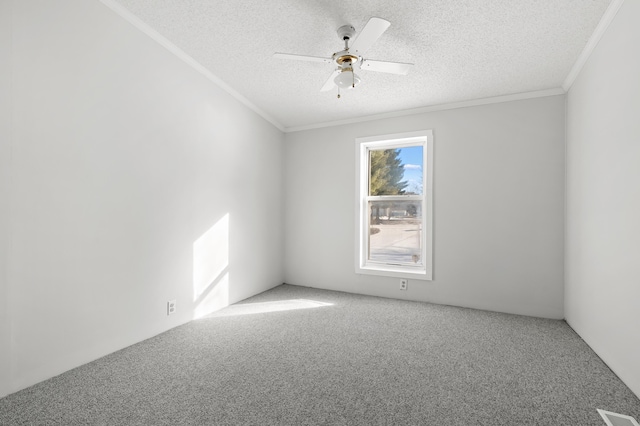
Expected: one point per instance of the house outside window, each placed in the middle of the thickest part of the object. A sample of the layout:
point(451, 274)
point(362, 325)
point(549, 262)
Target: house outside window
point(394, 227)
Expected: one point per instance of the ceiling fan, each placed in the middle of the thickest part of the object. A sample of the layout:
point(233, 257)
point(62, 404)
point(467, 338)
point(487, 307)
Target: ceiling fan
point(350, 59)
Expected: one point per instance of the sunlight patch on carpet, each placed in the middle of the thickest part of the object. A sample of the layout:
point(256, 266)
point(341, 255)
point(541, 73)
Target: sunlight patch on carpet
point(266, 307)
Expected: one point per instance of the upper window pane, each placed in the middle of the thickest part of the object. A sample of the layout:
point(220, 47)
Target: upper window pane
point(396, 171)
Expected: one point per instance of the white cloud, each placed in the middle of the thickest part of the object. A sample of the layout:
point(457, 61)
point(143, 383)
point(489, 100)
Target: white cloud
point(413, 166)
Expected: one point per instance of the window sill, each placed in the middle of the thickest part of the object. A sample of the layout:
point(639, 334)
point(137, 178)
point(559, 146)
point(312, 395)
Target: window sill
point(397, 272)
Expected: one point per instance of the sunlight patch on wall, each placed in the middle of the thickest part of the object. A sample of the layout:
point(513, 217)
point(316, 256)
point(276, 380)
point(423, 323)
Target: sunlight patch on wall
point(210, 269)
point(266, 307)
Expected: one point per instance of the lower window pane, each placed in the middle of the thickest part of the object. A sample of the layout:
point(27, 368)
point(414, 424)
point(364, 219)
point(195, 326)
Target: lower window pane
point(395, 229)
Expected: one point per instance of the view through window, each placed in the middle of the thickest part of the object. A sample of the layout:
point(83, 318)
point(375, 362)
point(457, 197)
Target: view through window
point(395, 205)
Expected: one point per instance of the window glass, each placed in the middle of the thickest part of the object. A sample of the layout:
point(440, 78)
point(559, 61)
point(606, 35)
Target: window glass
point(395, 171)
point(395, 232)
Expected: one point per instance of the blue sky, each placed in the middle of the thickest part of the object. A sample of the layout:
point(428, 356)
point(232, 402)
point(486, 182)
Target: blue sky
point(412, 159)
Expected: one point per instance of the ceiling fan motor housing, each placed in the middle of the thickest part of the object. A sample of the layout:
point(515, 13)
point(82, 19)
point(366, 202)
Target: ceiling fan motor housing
point(345, 59)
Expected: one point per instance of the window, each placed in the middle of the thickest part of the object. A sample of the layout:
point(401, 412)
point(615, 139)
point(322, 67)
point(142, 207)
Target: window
point(394, 205)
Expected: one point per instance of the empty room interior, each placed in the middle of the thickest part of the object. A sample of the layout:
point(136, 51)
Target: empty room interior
point(319, 212)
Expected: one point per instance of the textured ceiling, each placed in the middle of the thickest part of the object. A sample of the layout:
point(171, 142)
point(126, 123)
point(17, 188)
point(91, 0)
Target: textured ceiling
point(462, 50)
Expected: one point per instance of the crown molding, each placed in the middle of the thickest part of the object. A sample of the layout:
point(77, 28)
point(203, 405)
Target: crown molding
point(432, 108)
point(601, 28)
point(146, 29)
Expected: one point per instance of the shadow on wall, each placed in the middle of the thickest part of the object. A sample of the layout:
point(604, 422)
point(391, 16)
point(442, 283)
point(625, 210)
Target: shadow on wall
point(211, 269)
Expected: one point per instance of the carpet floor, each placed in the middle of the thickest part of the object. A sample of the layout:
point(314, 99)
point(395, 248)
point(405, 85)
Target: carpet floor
point(302, 356)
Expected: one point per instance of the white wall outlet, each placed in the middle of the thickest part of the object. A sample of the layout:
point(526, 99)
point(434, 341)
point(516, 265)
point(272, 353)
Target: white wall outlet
point(403, 284)
point(171, 307)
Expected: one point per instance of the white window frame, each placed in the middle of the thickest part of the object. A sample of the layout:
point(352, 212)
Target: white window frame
point(422, 138)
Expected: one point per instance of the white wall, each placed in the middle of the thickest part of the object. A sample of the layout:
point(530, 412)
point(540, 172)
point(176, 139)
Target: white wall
point(134, 179)
point(498, 207)
point(5, 137)
point(602, 293)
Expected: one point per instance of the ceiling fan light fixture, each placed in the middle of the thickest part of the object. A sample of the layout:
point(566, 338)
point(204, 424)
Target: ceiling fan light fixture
point(347, 79)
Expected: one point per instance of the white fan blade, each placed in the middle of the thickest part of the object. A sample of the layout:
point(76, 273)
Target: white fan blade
point(369, 34)
point(330, 84)
point(301, 57)
point(384, 66)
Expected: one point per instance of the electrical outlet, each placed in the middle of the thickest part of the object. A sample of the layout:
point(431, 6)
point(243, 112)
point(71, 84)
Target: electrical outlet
point(171, 307)
point(403, 284)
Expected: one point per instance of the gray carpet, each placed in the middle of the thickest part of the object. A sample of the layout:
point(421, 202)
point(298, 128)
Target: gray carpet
point(359, 361)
